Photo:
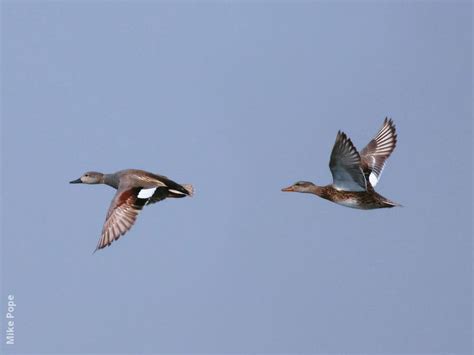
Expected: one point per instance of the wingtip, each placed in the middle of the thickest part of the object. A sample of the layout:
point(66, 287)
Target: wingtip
point(98, 247)
point(341, 135)
point(389, 121)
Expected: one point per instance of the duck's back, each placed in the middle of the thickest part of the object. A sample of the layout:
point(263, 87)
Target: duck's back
point(142, 178)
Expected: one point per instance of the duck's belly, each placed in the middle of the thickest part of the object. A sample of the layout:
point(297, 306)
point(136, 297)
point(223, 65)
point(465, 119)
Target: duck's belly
point(362, 200)
point(360, 203)
point(351, 202)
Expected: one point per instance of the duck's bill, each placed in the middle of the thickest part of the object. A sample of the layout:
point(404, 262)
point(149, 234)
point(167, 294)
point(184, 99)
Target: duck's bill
point(288, 189)
point(77, 181)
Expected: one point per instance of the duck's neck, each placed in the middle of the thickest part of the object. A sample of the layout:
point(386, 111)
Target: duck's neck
point(317, 190)
point(111, 180)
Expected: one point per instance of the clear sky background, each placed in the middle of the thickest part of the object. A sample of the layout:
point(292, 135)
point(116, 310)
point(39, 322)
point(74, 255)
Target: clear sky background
point(240, 99)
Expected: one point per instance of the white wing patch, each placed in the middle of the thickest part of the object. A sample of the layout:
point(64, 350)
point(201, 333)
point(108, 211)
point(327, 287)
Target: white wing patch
point(146, 193)
point(374, 178)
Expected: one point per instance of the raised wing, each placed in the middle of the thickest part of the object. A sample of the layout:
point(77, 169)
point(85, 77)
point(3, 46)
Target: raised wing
point(374, 155)
point(345, 165)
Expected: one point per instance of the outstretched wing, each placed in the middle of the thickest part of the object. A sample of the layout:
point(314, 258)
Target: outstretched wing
point(345, 165)
point(127, 203)
point(123, 212)
point(374, 155)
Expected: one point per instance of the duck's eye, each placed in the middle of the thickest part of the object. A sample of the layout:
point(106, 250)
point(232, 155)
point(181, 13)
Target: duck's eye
point(86, 175)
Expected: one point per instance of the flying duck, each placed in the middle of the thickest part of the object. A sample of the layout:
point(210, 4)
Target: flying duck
point(355, 175)
point(135, 189)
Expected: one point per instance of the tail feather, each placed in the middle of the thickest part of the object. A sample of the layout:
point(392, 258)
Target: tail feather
point(189, 188)
point(392, 204)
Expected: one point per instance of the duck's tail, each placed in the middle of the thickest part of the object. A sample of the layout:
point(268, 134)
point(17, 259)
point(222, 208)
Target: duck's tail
point(392, 204)
point(189, 188)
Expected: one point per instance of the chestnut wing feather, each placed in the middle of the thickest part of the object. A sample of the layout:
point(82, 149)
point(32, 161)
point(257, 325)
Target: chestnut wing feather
point(123, 212)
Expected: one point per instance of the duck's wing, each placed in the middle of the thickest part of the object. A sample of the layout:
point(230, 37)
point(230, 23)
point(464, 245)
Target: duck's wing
point(160, 194)
point(345, 166)
point(123, 212)
point(374, 155)
point(173, 190)
point(166, 187)
point(128, 202)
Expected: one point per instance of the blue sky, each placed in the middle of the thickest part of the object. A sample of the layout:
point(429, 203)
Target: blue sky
point(239, 99)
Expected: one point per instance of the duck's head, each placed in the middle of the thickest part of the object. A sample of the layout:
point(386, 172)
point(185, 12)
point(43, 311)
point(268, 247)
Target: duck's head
point(300, 186)
point(91, 177)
